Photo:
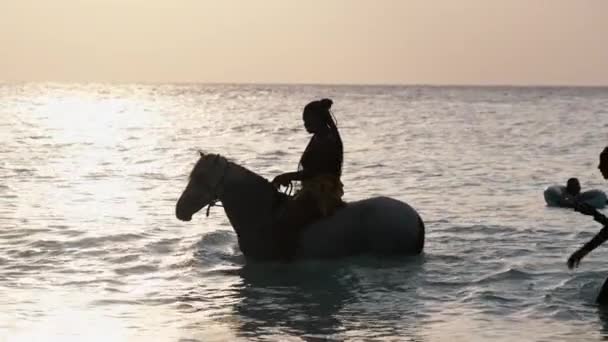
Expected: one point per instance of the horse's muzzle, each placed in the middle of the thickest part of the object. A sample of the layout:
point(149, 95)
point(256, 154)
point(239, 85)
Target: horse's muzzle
point(184, 218)
point(181, 215)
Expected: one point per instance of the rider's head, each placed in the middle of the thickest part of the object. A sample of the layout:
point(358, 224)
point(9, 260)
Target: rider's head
point(317, 117)
point(604, 163)
point(573, 187)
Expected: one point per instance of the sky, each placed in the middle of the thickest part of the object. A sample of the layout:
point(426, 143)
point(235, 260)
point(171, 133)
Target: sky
point(498, 42)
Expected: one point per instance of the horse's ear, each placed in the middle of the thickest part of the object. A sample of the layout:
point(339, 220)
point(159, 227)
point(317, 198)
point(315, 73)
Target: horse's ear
point(201, 153)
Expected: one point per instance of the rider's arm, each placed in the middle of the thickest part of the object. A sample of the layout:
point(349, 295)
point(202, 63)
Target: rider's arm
point(293, 176)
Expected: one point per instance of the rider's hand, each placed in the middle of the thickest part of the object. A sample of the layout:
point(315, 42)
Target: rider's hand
point(283, 180)
point(575, 258)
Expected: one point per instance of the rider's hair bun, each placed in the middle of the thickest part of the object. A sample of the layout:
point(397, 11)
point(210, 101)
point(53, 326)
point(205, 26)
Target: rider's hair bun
point(326, 103)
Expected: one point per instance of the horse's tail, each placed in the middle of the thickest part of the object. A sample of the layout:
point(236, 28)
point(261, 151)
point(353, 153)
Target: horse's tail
point(420, 241)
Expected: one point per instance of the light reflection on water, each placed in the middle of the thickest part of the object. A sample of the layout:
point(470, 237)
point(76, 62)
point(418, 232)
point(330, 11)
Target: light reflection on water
point(90, 249)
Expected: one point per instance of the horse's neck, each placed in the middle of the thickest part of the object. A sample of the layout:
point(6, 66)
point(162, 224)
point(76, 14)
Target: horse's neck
point(248, 201)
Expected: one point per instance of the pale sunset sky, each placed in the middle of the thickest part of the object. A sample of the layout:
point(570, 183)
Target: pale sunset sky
point(516, 42)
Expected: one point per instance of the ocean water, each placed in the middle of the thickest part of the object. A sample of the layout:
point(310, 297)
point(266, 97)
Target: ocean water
point(90, 249)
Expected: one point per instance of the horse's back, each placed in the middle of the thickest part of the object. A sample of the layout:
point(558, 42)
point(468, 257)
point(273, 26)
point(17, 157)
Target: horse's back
point(377, 226)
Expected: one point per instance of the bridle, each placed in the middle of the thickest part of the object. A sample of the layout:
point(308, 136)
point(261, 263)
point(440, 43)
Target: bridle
point(215, 189)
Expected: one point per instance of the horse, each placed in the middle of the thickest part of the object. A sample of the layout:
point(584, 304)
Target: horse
point(377, 226)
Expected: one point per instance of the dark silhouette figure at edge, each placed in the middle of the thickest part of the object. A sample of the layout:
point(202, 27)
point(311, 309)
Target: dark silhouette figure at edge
point(318, 172)
point(576, 257)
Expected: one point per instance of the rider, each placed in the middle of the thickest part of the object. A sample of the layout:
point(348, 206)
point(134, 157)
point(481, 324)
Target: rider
point(319, 172)
point(600, 237)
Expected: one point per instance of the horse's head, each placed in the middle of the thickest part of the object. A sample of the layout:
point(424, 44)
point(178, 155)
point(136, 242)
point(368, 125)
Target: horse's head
point(205, 186)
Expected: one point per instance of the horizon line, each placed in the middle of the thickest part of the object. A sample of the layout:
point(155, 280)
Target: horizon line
point(318, 84)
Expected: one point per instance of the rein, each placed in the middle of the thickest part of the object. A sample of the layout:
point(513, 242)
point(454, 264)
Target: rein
point(214, 202)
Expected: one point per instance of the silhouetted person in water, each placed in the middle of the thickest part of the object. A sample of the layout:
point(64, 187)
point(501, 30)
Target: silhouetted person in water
point(573, 187)
point(319, 172)
point(600, 237)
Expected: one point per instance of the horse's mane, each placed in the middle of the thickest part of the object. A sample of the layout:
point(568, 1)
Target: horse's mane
point(195, 168)
point(230, 162)
point(246, 170)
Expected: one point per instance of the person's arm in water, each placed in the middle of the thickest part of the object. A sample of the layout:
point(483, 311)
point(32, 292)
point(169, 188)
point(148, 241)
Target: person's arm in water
point(587, 209)
point(597, 240)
